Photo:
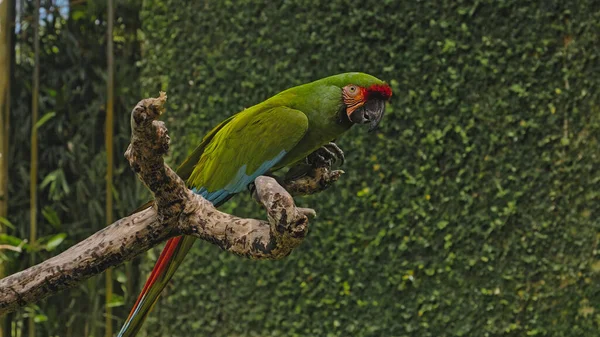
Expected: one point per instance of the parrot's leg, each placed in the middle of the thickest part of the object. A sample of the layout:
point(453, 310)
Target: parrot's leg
point(298, 171)
point(326, 156)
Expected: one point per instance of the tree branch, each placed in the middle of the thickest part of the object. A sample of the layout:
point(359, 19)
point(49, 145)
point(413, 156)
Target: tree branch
point(176, 211)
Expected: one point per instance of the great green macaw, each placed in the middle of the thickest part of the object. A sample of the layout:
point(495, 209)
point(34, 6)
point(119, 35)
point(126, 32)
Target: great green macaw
point(277, 133)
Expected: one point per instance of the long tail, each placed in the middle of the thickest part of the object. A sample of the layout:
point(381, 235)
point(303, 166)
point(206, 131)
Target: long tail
point(168, 261)
point(166, 265)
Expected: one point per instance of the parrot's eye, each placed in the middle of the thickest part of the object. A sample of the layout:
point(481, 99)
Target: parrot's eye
point(351, 90)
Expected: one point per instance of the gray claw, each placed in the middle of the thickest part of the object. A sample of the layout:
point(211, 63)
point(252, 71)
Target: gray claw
point(338, 154)
point(326, 156)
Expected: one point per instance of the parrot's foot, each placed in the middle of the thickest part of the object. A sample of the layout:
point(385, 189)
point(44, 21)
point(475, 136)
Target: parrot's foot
point(303, 179)
point(312, 175)
point(326, 156)
point(313, 181)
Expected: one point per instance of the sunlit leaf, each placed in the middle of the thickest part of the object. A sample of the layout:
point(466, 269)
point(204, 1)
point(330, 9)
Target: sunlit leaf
point(48, 179)
point(116, 301)
point(44, 119)
point(40, 318)
point(54, 241)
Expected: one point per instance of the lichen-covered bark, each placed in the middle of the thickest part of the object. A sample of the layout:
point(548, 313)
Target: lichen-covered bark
point(110, 246)
point(176, 211)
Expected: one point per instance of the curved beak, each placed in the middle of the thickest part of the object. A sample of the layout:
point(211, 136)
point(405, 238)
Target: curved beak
point(371, 112)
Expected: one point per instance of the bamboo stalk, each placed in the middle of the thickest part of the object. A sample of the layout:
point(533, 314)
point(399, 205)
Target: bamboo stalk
point(6, 27)
point(109, 158)
point(33, 171)
point(6, 51)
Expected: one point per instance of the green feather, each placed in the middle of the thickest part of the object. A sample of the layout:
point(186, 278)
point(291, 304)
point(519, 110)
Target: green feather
point(248, 140)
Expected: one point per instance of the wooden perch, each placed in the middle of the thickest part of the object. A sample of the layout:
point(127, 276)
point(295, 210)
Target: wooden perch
point(176, 211)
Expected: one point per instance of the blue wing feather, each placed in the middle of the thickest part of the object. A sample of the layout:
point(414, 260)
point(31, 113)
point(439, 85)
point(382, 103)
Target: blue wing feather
point(239, 182)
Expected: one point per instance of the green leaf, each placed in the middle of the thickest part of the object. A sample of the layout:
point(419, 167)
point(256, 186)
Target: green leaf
point(121, 277)
point(44, 119)
point(51, 216)
point(40, 318)
point(54, 241)
point(517, 88)
point(4, 221)
point(11, 240)
point(116, 301)
point(442, 224)
point(48, 179)
point(77, 15)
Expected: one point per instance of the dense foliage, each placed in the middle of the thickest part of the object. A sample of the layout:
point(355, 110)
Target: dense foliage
point(72, 160)
point(473, 211)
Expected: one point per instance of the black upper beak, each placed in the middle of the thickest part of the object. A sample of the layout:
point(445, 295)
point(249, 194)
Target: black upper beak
point(371, 112)
point(374, 110)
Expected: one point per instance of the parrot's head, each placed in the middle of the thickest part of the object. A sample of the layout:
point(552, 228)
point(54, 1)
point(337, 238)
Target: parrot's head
point(364, 98)
point(366, 104)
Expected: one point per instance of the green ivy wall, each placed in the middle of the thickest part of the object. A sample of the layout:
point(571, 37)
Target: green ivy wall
point(473, 211)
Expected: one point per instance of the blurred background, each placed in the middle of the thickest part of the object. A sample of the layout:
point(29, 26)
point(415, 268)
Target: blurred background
point(473, 210)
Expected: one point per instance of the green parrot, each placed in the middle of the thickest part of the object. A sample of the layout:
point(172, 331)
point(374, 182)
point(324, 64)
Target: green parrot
point(279, 132)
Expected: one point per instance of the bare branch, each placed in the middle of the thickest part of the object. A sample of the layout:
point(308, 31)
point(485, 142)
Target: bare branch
point(176, 211)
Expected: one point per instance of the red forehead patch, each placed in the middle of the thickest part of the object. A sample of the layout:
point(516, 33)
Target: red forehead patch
point(379, 90)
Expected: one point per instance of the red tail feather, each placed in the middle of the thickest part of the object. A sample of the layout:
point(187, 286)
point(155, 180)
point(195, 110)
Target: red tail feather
point(161, 263)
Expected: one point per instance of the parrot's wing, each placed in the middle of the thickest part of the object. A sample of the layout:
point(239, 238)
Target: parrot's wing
point(230, 157)
point(246, 147)
point(185, 169)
